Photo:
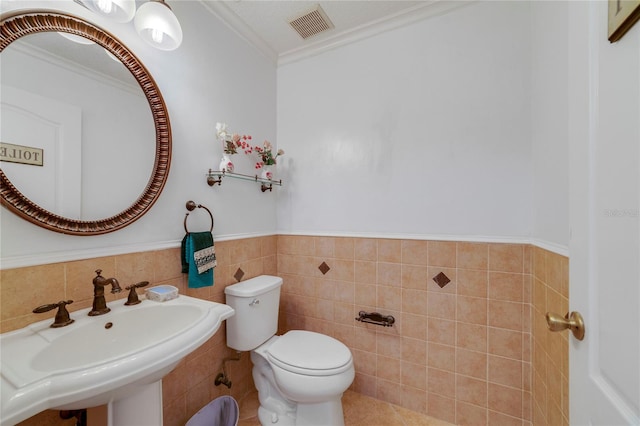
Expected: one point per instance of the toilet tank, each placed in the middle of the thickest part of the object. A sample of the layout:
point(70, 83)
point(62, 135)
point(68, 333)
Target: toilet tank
point(256, 302)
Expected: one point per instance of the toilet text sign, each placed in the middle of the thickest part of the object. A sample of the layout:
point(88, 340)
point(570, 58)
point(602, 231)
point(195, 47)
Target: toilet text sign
point(21, 154)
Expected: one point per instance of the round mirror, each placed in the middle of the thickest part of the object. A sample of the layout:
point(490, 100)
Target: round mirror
point(59, 144)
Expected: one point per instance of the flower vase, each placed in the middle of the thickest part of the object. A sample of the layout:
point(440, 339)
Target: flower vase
point(266, 173)
point(226, 165)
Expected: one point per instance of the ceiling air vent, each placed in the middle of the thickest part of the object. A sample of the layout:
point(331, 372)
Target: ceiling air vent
point(311, 23)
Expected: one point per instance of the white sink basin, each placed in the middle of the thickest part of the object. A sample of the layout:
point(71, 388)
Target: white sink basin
point(100, 359)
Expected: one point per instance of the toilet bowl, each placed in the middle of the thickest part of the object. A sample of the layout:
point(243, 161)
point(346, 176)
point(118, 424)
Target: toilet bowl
point(301, 375)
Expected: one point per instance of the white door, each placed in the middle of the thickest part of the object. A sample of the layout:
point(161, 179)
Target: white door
point(604, 132)
point(36, 121)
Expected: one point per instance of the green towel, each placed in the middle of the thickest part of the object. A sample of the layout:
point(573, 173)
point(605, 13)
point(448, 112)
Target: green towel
point(191, 243)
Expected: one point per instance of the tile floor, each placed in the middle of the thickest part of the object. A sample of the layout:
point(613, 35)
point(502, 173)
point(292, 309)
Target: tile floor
point(359, 410)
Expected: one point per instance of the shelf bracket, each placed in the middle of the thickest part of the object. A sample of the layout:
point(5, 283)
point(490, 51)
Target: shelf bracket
point(211, 180)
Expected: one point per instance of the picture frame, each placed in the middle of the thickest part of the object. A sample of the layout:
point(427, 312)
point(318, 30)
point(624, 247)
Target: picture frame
point(623, 14)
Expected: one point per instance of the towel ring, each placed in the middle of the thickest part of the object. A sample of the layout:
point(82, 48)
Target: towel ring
point(191, 206)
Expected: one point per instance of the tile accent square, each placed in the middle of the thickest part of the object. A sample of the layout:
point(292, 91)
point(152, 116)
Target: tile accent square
point(324, 268)
point(441, 279)
point(239, 274)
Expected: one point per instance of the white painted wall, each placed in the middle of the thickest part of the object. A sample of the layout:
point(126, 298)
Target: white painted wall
point(549, 125)
point(421, 131)
point(214, 76)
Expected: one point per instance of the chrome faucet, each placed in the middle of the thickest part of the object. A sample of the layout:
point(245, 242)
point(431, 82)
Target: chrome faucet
point(99, 303)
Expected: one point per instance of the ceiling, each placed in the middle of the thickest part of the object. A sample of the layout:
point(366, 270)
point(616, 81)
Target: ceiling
point(265, 23)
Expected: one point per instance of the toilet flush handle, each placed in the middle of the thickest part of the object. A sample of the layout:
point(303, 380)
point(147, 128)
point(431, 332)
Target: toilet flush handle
point(254, 302)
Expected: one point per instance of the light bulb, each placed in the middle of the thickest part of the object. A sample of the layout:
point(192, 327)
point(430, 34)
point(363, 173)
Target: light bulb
point(105, 6)
point(118, 10)
point(158, 26)
point(156, 35)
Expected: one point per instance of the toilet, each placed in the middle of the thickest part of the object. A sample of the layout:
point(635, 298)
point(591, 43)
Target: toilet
point(300, 375)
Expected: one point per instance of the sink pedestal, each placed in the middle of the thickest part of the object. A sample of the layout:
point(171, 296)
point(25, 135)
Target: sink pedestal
point(142, 408)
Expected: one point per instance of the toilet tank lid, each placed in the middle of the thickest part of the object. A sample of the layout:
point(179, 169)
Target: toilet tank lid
point(254, 286)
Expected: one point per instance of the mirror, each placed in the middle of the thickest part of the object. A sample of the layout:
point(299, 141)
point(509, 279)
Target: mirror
point(49, 87)
point(136, 174)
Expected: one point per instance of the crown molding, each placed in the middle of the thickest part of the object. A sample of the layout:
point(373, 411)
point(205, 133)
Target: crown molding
point(419, 12)
point(428, 9)
point(220, 10)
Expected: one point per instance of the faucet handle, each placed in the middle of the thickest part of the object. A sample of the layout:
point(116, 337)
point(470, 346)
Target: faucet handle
point(132, 299)
point(62, 316)
point(98, 278)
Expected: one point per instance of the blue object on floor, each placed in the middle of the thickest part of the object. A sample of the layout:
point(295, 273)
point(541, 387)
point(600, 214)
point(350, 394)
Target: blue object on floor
point(222, 411)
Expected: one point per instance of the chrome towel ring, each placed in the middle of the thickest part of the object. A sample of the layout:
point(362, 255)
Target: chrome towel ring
point(191, 206)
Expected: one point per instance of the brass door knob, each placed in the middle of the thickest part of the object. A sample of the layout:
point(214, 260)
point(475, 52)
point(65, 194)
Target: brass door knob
point(572, 321)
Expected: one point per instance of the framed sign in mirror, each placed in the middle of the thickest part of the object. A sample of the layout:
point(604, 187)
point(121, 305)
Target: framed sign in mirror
point(622, 15)
point(152, 167)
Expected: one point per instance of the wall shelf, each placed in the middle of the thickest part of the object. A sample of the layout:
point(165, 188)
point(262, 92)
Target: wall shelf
point(215, 177)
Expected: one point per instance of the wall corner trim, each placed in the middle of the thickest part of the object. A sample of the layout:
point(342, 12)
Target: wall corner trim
point(81, 254)
point(552, 247)
point(47, 258)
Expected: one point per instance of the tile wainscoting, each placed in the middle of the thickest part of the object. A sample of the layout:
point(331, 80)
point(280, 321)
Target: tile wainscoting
point(463, 352)
point(190, 386)
point(475, 351)
point(549, 351)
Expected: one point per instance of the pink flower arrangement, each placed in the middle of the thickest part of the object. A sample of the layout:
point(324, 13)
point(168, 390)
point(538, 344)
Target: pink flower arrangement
point(232, 141)
point(266, 155)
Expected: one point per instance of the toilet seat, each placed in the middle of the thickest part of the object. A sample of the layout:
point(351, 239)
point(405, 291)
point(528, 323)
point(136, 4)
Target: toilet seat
point(309, 353)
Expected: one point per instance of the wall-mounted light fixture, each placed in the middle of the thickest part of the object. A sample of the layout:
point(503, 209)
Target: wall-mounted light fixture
point(158, 26)
point(154, 21)
point(118, 10)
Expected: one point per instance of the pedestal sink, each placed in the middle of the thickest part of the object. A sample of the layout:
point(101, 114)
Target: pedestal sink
point(118, 359)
